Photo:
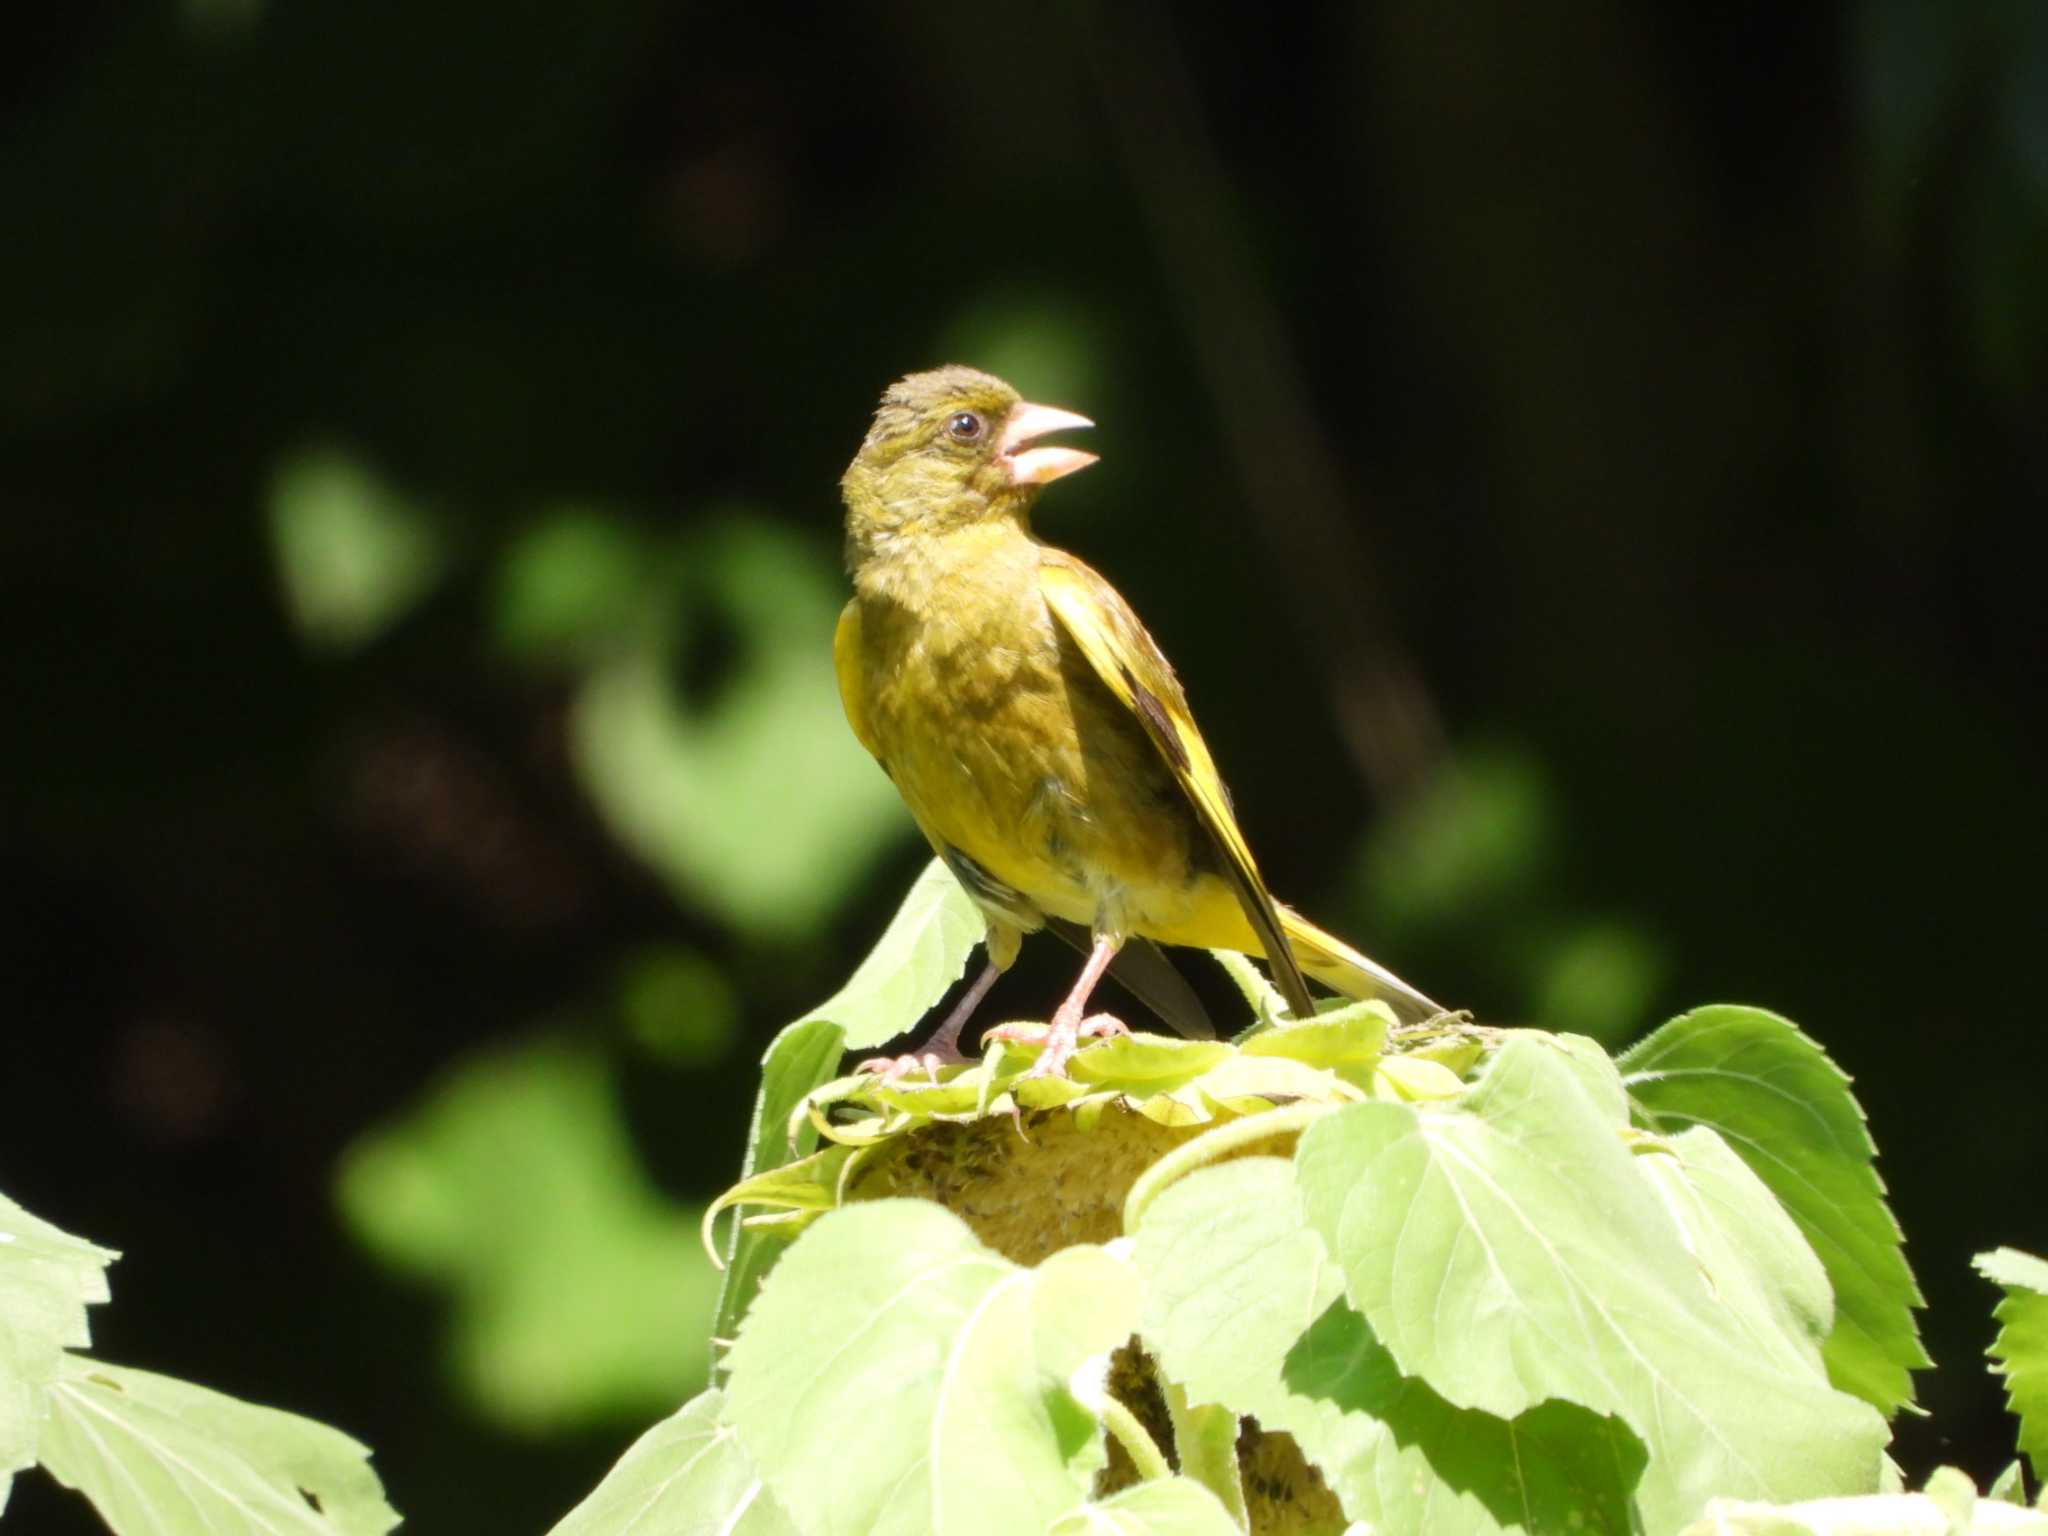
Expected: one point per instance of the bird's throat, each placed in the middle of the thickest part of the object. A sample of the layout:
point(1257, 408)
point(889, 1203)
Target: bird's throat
point(939, 575)
point(908, 535)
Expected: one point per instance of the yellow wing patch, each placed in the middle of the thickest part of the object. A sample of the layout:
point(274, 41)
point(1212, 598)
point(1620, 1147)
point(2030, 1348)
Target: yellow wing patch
point(1128, 662)
point(846, 662)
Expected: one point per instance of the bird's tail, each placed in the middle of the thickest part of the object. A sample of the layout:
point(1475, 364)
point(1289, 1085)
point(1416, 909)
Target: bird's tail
point(1340, 967)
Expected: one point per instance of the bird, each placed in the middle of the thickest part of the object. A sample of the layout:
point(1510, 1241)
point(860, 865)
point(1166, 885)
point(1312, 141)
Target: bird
point(1032, 726)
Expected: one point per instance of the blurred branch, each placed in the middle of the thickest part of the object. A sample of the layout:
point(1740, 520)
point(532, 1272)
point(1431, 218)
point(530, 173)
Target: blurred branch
point(1312, 520)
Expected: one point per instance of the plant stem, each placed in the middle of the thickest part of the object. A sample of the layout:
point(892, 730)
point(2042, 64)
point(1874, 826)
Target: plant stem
point(1212, 1146)
point(1137, 1442)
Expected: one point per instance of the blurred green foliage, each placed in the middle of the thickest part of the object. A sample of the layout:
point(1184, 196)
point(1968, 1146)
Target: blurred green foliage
point(755, 801)
point(574, 1292)
point(678, 1006)
point(1473, 862)
point(352, 554)
point(418, 444)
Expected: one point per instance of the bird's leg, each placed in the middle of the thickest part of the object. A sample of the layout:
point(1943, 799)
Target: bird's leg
point(944, 1045)
point(1063, 1035)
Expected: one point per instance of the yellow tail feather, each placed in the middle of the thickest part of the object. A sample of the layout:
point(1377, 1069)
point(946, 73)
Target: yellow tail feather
point(1340, 967)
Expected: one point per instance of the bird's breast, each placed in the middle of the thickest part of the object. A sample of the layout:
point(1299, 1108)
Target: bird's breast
point(1005, 745)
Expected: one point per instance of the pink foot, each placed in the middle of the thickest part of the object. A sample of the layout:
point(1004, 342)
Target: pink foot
point(894, 1069)
point(1060, 1039)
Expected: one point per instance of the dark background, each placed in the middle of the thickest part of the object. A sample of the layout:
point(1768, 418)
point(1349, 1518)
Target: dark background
point(1580, 459)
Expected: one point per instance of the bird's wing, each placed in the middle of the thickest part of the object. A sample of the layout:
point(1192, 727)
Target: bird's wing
point(1130, 664)
point(852, 691)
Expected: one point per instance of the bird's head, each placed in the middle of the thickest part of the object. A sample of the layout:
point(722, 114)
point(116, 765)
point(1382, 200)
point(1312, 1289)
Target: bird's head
point(947, 448)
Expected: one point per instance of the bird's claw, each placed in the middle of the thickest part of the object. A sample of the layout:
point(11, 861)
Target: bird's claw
point(1058, 1040)
point(894, 1069)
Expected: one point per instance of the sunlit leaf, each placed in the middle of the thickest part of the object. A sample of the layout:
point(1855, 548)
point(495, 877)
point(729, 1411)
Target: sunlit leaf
point(1949, 1507)
point(47, 1280)
point(1205, 1439)
point(1555, 1465)
point(1244, 1084)
point(158, 1456)
point(799, 1060)
point(808, 1186)
point(1786, 1110)
point(1159, 1061)
point(1167, 1506)
point(895, 1377)
point(514, 1188)
point(919, 955)
point(2021, 1350)
point(1509, 1251)
point(687, 1476)
point(353, 553)
point(1244, 1308)
point(2010, 1485)
point(1415, 1079)
point(1351, 1035)
point(1749, 1252)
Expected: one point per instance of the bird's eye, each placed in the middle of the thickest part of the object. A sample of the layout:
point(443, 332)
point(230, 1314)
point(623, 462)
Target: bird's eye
point(964, 427)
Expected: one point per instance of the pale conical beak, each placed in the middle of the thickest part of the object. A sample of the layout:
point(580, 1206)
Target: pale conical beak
point(1037, 466)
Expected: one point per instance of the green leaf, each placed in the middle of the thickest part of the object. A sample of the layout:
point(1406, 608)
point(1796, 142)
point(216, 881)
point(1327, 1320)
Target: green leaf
point(1243, 1308)
point(1786, 1110)
point(1955, 1495)
point(1205, 1444)
point(1245, 1084)
point(1510, 1251)
point(1167, 1506)
point(1591, 1068)
point(806, 1187)
point(1415, 1079)
point(1554, 1466)
point(1949, 1507)
point(919, 955)
point(47, 1280)
point(158, 1455)
point(1172, 1082)
point(800, 1059)
point(515, 1188)
point(1147, 1063)
point(687, 1475)
point(2021, 1349)
point(1749, 1252)
point(896, 1376)
point(1351, 1035)
point(1233, 1276)
point(2010, 1485)
point(1257, 989)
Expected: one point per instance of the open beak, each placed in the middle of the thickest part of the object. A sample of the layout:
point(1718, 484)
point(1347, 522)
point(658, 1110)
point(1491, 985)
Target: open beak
point(1036, 466)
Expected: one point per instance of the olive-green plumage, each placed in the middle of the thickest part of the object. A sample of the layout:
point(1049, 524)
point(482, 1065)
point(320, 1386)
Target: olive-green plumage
point(1035, 731)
